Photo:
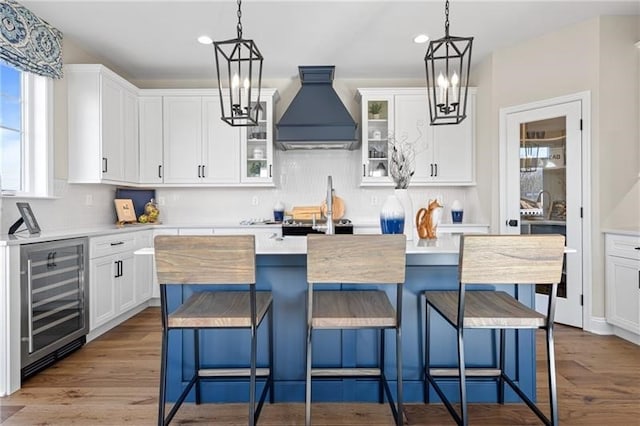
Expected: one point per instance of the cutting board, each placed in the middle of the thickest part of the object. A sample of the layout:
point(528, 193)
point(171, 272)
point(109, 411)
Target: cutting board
point(337, 209)
point(305, 212)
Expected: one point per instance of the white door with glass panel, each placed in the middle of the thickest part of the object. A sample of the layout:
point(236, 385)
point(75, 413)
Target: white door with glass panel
point(543, 191)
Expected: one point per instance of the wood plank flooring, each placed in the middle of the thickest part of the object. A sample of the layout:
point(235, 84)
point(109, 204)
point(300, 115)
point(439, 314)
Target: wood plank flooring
point(113, 381)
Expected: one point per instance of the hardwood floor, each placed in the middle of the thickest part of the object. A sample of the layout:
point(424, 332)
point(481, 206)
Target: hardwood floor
point(113, 381)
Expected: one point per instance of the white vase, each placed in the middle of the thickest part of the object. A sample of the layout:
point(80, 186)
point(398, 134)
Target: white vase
point(392, 216)
point(409, 218)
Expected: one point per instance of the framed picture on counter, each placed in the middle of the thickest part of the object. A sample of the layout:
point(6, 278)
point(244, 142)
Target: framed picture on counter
point(29, 218)
point(125, 210)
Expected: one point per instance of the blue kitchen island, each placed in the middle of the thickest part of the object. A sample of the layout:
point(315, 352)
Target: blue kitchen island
point(281, 267)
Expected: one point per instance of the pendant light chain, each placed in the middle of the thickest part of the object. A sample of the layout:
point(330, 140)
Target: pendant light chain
point(446, 20)
point(239, 26)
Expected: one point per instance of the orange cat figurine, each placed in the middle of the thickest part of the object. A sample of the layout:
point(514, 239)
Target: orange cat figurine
point(424, 221)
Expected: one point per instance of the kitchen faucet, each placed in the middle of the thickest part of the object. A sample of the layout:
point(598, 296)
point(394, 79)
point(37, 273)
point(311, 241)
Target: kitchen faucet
point(329, 228)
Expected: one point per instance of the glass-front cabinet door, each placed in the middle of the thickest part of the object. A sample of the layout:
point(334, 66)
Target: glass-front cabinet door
point(257, 146)
point(377, 126)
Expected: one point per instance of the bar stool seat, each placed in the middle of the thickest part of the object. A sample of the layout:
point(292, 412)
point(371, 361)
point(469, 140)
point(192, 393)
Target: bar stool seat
point(485, 309)
point(220, 309)
point(352, 309)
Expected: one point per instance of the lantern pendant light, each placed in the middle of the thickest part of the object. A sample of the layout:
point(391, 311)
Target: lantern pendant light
point(239, 70)
point(447, 62)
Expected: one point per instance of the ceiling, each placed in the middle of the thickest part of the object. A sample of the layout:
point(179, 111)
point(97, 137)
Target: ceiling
point(156, 40)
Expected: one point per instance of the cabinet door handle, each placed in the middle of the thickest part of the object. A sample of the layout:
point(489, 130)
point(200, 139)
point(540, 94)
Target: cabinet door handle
point(203, 173)
point(512, 222)
point(199, 174)
point(160, 171)
point(436, 168)
point(364, 170)
point(104, 165)
point(431, 169)
point(121, 268)
point(117, 269)
point(270, 174)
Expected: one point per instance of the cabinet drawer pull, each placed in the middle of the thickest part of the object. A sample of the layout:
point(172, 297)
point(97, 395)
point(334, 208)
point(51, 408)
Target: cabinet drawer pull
point(118, 243)
point(637, 248)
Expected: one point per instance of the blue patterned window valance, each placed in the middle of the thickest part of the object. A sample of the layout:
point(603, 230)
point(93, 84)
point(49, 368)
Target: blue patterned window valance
point(29, 43)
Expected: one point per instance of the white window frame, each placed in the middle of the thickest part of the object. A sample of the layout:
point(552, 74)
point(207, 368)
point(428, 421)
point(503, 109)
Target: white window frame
point(37, 138)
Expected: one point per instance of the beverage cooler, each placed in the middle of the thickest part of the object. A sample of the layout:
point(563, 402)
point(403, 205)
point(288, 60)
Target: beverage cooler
point(54, 301)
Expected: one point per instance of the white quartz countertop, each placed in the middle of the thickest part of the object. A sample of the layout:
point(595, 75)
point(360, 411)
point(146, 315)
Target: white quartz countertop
point(632, 232)
point(274, 245)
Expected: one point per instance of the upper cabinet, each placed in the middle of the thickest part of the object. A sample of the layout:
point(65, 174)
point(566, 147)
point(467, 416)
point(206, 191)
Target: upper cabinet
point(443, 155)
point(257, 144)
point(199, 148)
point(102, 125)
point(150, 139)
point(184, 142)
point(377, 125)
point(119, 134)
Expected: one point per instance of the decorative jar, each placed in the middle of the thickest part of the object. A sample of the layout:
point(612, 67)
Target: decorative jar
point(392, 216)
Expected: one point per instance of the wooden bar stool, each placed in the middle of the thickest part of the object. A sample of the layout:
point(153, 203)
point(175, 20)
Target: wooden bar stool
point(495, 260)
point(355, 259)
point(198, 260)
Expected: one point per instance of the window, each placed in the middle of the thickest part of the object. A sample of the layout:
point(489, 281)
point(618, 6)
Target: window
point(26, 154)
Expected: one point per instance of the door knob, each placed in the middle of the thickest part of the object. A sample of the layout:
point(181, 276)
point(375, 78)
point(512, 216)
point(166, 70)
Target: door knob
point(512, 222)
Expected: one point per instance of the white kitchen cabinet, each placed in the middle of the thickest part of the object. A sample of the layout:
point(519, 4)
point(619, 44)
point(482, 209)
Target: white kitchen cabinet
point(150, 139)
point(111, 277)
point(102, 126)
point(199, 148)
point(622, 282)
point(443, 155)
point(143, 267)
point(377, 126)
point(256, 164)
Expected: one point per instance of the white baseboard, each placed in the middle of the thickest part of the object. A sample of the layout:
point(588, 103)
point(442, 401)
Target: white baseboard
point(627, 335)
point(598, 325)
point(99, 331)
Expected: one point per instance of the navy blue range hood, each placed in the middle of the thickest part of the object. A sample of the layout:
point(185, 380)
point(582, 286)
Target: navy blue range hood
point(316, 118)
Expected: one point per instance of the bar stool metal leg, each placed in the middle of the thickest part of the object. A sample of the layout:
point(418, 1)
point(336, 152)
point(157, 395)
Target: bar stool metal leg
point(271, 382)
point(307, 406)
point(425, 351)
point(501, 363)
point(551, 365)
point(400, 411)
point(196, 363)
point(162, 399)
point(381, 364)
point(464, 416)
